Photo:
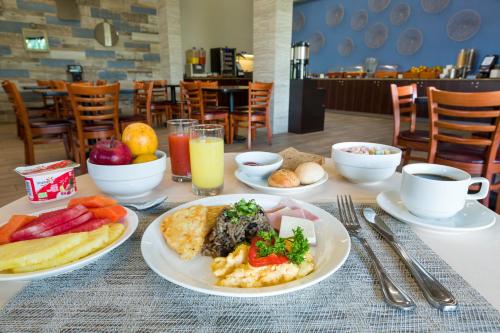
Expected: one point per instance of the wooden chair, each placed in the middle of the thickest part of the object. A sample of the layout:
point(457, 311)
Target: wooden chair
point(258, 113)
point(36, 131)
point(192, 93)
point(143, 96)
point(95, 109)
point(473, 142)
point(160, 106)
point(405, 111)
point(48, 102)
point(61, 103)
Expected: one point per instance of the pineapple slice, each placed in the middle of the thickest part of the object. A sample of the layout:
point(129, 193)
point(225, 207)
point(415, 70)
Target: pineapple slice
point(96, 240)
point(34, 251)
point(115, 231)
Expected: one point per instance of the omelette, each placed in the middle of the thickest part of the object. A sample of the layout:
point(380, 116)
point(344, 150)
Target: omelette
point(186, 229)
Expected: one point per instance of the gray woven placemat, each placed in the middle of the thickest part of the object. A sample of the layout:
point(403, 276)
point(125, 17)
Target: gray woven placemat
point(119, 293)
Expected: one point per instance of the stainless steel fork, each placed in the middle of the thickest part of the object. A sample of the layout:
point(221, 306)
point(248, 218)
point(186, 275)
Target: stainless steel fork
point(393, 295)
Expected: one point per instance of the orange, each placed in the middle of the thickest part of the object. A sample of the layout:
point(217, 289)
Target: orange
point(144, 158)
point(140, 138)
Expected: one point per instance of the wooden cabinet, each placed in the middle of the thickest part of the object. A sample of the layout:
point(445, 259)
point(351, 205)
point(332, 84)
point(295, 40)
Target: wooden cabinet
point(307, 107)
point(373, 95)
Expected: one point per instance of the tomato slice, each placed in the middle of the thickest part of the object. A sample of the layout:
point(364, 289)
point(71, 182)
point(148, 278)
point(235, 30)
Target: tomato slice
point(256, 261)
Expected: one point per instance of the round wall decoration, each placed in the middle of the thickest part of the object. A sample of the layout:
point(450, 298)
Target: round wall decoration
point(463, 25)
point(400, 13)
point(378, 5)
point(434, 6)
point(410, 41)
point(345, 47)
point(317, 42)
point(359, 20)
point(376, 35)
point(298, 21)
point(335, 15)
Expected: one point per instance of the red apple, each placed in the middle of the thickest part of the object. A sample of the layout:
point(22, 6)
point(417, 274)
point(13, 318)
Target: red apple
point(110, 152)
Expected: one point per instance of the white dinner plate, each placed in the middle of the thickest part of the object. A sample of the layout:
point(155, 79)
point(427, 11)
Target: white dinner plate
point(131, 221)
point(472, 217)
point(332, 249)
point(261, 184)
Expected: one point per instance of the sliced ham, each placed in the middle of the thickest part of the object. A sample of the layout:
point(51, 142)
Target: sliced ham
point(287, 207)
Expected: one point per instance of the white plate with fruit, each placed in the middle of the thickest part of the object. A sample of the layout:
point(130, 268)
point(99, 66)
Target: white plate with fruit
point(50, 243)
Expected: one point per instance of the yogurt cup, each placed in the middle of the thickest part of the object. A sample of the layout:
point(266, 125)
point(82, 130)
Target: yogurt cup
point(49, 182)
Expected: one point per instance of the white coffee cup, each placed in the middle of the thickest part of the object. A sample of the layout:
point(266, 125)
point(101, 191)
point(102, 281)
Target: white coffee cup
point(426, 193)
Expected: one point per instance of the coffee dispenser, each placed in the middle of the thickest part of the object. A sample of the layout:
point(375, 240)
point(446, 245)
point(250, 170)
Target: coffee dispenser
point(299, 60)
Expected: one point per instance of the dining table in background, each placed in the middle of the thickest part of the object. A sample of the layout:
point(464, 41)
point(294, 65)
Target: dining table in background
point(474, 255)
point(228, 90)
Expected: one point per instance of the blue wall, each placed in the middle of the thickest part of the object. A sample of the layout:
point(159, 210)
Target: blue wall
point(437, 48)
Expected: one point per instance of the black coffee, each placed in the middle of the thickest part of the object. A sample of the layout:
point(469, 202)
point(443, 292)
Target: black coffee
point(434, 176)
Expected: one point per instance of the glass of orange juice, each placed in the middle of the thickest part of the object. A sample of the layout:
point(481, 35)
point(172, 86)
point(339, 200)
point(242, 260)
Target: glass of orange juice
point(206, 151)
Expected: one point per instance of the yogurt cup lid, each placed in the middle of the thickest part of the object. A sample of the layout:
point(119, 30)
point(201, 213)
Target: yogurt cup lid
point(43, 168)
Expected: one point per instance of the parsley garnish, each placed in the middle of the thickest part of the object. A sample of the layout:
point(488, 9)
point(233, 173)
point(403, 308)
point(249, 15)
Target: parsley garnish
point(241, 209)
point(272, 243)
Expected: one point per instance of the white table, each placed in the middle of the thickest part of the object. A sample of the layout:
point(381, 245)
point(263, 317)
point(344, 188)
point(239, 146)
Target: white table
point(475, 256)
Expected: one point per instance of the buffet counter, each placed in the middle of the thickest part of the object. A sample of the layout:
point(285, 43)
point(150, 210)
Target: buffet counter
point(372, 95)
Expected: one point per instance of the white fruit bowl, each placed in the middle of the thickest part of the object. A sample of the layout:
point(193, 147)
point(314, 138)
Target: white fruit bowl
point(131, 180)
point(365, 169)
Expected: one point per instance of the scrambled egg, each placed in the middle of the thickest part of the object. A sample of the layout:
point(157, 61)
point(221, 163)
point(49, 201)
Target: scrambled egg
point(235, 271)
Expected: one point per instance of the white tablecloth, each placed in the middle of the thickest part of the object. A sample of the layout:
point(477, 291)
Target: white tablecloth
point(475, 256)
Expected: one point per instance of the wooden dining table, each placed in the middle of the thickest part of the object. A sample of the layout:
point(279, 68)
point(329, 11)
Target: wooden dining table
point(229, 90)
point(474, 255)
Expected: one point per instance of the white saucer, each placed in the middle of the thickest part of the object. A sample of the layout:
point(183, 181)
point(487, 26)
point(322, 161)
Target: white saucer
point(472, 217)
point(260, 184)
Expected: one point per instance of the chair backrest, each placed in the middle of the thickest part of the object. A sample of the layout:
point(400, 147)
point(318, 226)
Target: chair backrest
point(18, 105)
point(259, 97)
point(101, 82)
point(210, 98)
point(58, 84)
point(404, 109)
point(94, 104)
point(143, 96)
point(160, 90)
point(460, 124)
point(43, 83)
point(191, 93)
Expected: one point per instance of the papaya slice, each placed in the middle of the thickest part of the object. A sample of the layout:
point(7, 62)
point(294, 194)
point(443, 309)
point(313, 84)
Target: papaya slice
point(15, 223)
point(94, 201)
point(113, 213)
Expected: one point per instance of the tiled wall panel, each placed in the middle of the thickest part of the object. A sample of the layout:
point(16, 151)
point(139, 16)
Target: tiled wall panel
point(135, 57)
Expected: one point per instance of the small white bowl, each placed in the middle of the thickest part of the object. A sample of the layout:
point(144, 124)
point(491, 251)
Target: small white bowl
point(269, 162)
point(131, 180)
point(365, 169)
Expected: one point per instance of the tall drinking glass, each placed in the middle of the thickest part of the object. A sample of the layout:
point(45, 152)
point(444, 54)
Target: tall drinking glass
point(178, 144)
point(206, 150)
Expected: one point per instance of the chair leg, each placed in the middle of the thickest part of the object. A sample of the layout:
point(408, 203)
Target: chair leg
point(231, 134)
point(29, 153)
point(67, 146)
point(226, 129)
point(407, 156)
point(249, 135)
point(269, 134)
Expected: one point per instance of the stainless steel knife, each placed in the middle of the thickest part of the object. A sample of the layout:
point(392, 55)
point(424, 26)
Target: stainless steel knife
point(435, 293)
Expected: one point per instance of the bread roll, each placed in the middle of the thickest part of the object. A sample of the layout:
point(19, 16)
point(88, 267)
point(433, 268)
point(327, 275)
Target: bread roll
point(283, 178)
point(309, 172)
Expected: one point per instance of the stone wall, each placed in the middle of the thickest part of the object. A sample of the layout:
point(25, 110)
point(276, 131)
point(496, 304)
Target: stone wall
point(272, 35)
point(135, 57)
